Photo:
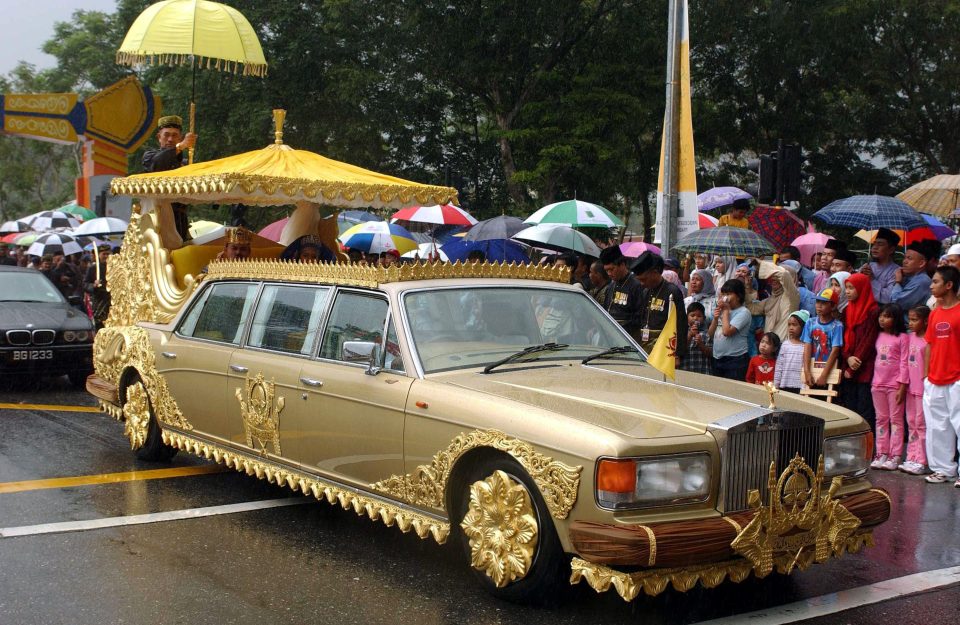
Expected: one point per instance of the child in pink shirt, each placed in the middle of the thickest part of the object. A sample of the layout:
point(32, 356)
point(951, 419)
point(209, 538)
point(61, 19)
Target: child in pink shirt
point(916, 462)
point(889, 387)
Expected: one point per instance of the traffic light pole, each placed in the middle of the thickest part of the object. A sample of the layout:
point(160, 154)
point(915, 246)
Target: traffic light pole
point(671, 138)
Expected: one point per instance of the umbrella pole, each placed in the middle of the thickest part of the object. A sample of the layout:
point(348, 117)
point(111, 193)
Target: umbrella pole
point(96, 260)
point(193, 107)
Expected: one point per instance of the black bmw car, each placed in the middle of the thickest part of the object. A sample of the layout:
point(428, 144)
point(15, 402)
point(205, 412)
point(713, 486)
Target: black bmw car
point(40, 332)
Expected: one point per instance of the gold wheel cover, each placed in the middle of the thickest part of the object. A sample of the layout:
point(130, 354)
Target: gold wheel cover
point(136, 413)
point(502, 528)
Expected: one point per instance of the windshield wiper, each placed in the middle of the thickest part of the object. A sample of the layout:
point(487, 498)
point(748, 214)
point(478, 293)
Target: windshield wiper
point(623, 349)
point(523, 353)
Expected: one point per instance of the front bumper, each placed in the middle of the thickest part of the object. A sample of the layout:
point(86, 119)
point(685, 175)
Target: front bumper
point(801, 523)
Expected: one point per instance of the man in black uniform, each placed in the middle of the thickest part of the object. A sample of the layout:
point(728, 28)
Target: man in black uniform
point(173, 143)
point(654, 303)
point(622, 296)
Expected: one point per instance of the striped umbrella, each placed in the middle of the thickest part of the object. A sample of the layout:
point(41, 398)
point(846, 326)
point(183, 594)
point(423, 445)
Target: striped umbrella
point(13, 227)
point(725, 241)
point(939, 195)
point(377, 237)
point(446, 214)
point(576, 214)
point(871, 212)
point(48, 220)
point(54, 243)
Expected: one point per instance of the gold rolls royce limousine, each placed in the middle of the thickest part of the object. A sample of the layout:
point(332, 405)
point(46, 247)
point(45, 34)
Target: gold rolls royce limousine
point(494, 406)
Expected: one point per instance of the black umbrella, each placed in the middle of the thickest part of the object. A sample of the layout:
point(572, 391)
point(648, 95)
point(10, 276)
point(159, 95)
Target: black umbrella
point(502, 227)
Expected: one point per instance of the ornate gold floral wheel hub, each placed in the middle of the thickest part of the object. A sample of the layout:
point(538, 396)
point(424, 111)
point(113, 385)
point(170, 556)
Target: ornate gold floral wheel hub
point(136, 414)
point(502, 528)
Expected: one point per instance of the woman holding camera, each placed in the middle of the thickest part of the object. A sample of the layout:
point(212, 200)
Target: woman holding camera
point(730, 329)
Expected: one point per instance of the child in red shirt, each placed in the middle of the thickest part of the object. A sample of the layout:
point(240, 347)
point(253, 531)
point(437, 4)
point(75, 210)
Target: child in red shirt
point(762, 366)
point(941, 391)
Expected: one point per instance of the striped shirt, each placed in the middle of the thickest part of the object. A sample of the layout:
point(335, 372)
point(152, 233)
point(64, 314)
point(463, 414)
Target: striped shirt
point(789, 362)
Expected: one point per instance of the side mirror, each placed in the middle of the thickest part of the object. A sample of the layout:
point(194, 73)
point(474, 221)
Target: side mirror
point(363, 351)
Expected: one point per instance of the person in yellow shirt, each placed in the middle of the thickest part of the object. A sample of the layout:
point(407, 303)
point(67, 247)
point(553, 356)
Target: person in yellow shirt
point(737, 217)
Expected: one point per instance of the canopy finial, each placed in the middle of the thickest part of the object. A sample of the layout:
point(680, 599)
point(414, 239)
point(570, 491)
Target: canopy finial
point(278, 116)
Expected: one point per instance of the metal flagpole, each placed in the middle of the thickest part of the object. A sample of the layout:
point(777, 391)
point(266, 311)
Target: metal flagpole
point(671, 131)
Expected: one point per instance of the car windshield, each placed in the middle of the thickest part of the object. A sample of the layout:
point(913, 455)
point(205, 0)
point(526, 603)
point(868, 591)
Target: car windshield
point(26, 286)
point(476, 327)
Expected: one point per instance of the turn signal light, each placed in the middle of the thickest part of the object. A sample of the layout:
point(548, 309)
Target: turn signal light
point(617, 476)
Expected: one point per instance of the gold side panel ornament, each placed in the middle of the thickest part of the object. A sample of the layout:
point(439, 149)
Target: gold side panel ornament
point(797, 519)
point(374, 509)
point(116, 349)
point(501, 528)
point(261, 414)
point(360, 274)
point(558, 482)
point(136, 415)
point(141, 280)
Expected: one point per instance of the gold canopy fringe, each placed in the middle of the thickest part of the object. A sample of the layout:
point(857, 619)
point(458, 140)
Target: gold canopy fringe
point(134, 59)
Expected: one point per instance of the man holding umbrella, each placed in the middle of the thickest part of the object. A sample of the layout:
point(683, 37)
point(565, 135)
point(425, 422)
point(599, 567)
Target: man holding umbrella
point(655, 302)
point(169, 156)
point(882, 270)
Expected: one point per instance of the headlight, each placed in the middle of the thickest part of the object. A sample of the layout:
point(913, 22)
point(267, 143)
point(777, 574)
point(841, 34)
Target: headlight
point(69, 336)
point(83, 336)
point(847, 455)
point(623, 483)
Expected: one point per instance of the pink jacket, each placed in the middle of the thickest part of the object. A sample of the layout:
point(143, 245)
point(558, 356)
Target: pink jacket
point(916, 346)
point(890, 366)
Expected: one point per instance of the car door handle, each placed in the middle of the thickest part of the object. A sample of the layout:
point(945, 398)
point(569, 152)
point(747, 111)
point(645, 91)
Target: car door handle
point(312, 382)
point(169, 355)
point(238, 368)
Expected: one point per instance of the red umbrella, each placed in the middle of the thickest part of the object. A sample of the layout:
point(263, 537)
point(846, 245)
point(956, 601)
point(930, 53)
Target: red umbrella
point(446, 214)
point(274, 230)
point(706, 221)
point(777, 225)
point(10, 238)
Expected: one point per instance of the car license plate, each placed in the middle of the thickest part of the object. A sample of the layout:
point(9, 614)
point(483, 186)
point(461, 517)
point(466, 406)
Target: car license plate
point(31, 354)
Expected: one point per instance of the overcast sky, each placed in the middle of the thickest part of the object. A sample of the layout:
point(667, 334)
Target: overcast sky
point(29, 23)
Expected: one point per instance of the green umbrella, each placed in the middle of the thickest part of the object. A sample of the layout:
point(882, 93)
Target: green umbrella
point(78, 211)
point(575, 213)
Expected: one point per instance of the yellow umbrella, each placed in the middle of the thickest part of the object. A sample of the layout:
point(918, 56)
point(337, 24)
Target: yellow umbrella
point(278, 175)
point(939, 195)
point(198, 33)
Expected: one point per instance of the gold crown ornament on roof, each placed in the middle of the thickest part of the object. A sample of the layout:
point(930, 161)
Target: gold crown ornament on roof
point(238, 235)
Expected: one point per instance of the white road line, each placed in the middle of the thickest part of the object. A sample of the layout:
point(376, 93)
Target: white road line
point(155, 517)
point(825, 605)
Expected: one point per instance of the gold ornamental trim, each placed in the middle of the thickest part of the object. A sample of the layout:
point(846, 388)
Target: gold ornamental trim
point(652, 541)
point(653, 582)
point(361, 274)
point(244, 68)
point(260, 411)
point(279, 190)
point(501, 528)
point(374, 509)
point(136, 415)
point(117, 349)
point(425, 487)
point(141, 279)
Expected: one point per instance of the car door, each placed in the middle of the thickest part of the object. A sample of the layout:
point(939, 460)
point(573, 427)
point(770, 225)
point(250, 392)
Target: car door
point(265, 403)
point(353, 430)
point(195, 359)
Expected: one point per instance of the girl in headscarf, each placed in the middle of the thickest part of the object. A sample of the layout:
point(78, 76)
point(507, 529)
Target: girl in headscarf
point(702, 290)
point(859, 346)
point(838, 281)
point(724, 268)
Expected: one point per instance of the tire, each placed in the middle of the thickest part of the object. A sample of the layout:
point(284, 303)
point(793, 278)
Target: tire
point(153, 448)
point(78, 378)
point(548, 571)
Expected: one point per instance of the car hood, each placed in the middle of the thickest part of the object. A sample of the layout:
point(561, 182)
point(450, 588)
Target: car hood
point(53, 316)
point(631, 400)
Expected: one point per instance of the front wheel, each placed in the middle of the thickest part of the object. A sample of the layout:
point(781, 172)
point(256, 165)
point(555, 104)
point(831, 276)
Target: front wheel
point(507, 535)
point(140, 424)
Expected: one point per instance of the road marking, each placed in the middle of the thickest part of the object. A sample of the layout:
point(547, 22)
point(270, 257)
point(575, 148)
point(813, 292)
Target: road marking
point(155, 517)
point(53, 407)
point(826, 605)
point(108, 478)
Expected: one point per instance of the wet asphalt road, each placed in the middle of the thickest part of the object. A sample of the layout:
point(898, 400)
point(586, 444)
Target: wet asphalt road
point(314, 563)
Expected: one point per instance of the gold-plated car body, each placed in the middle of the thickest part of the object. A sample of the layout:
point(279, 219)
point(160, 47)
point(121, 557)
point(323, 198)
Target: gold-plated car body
point(326, 379)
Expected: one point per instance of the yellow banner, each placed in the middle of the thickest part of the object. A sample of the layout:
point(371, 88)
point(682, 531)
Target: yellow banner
point(663, 356)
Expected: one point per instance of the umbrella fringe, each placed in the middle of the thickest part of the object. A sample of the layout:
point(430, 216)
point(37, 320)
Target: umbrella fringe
point(133, 59)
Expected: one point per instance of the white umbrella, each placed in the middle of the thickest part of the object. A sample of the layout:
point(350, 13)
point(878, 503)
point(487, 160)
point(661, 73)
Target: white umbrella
point(558, 237)
point(427, 251)
point(56, 243)
point(48, 220)
point(100, 226)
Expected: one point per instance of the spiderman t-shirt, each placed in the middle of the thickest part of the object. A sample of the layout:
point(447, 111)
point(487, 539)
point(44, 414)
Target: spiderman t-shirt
point(822, 337)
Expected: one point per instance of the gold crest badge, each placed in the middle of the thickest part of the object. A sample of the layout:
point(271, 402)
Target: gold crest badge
point(261, 414)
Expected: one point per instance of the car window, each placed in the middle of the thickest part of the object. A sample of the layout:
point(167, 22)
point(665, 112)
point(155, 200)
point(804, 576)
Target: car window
point(221, 313)
point(392, 357)
point(287, 318)
point(16, 286)
point(355, 317)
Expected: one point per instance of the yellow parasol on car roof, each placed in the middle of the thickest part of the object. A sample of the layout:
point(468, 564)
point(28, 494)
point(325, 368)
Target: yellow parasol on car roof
point(278, 175)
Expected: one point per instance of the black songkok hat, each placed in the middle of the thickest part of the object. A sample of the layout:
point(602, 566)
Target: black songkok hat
point(611, 255)
point(836, 245)
point(847, 255)
point(889, 236)
point(921, 247)
point(645, 262)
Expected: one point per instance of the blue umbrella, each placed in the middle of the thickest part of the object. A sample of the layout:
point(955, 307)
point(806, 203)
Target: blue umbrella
point(871, 212)
point(938, 228)
point(720, 196)
point(495, 250)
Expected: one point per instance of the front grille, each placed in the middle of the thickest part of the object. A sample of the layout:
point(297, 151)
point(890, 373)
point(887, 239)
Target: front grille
point(18, 337)
point(43, 337)
point(751, 440)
